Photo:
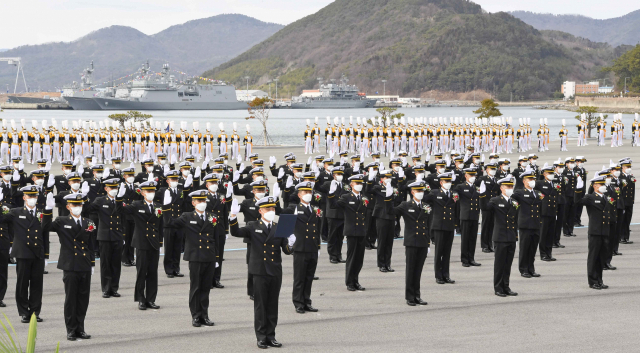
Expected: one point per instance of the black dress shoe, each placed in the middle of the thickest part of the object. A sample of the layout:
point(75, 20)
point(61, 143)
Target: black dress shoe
point(300, 310)
point(373, 247)
point(45, 272)
point(560, 246)
point(595, 286)
point(251, 297)
point(142, 306)
point(449, 280)
point(420, 301)
point(83, 335)
point(2, 304)
point(341, 260)
point(262, 345)
point(486, 250)
point(170, 276)
point(334, 261)
point(547, 259)
point(38, 319)
point(310, 308)
point(207, 322)
point(525, 275)
point(359, 287)
point(535, 274)
point(609, 267)
point(106, 295)
point(473, 263)
point(617, 253)
point(178, 274)
point(217, 284)
point(153, 305)
point(351, 288)
point(274, 343)
point(510, 293)
point(115, 294)
point(25, 320)
point(367, 247)
point(552, 259)
point(133, 263)
point(628, 242)
point(383, 269)
point(389, 269)
point(196, 322)
point(440, 281)
point(71, 336)
point(411, 303)
point(500, 294)
point(566, 235)
point(603, 286)
point(126, 264)
point(464, 264)
point(315, 278)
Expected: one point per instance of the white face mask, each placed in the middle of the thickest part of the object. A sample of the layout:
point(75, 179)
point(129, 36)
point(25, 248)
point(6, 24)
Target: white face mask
point(627, 171)
point(213, 187)
point(31, 202)
point(396, 168)
point(173, 184)
point(446, 186)
point(259, 178)
point(202, 206)
point(419, 177)
point(16, 166)
point(533, 162)
point(6, 177)
point(113, 193)
point(163, 161)
point(523, 164)
point(491, 160)
point(571, 165)
point(260, 195)
point(505, 167)
point(270, 216)
point(98, 175)
point(419, 195)
point(76, 211)
point(492, 172)
point(116, 166)
point(532, 183)
point(579, 165)
point(149, 196)
point(357, 187)
point(472, 180)
point(307, 198)
point(560, 170)
point(39, 182)
point(149, 169)
point(66, 171)
point(475, 161)
point(130, 180)
point(551, 177)
point(226, 161)
point(297, 175)
point(607, 181)
point(508, 192)
point(602, 189)
point(185, 172)
point(339, 178)
point(616, 173)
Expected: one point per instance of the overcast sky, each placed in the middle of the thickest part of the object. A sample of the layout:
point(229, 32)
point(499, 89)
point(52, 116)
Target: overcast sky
point(41, 21)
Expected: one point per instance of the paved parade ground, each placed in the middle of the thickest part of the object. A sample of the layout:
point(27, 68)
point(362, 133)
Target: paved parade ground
point(556, 311)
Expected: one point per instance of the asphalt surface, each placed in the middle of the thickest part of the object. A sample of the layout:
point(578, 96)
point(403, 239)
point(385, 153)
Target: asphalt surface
point(557, 311)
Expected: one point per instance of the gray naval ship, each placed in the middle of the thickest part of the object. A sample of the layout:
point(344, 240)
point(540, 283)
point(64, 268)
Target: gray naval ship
point(80, 96)
point(163, 92)
point(334, 96)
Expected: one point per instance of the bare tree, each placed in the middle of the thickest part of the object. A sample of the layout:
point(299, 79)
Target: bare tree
point(259, 109)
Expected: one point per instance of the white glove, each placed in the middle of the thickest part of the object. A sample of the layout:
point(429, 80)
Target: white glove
point(280, 173)
point(50, 202)
point(236, 176)
point(276, 190)
point(94, 160)
point(453, 177)
point(229, 191)
point(197, 173)
point(10, 248)
point(289, 182)
point(189, 181)
point(226, 237)
point(47, 166)
point(579, 183)
point(309, 160)
point(76, 161)
point(483, 188)
point(426, 161)
point(356, 167)
point(21, 165)
point(272, 160)
point(106, 172)
point(51, 181)
point(46, 262)
point(80, 169)
point(16, 175)
point(166, 168)
point(333, 187)
point(205, 164)
point(241, 168)
point(401, 173)
point(482, 158)
point(151, 177)
point(371, 176)
point(217, 265)
point(239, 159)
point(121, 191)
point(292, 240)
point(92, 270)
point(85, 188)
point(1, 195)
point(174, 158)
point(132, 165)
point(388, 191)
point(387, 183)
point(167, 197)
point(235, 209)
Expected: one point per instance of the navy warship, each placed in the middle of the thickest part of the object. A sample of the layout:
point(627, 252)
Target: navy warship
point(334, 96)
point(80, 96)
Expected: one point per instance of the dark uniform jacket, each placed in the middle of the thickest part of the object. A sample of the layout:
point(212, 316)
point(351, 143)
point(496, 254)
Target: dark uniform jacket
point(109, 213)
point(76, 253)
point(529, 208)
point(28, 234)
point(62, 184)
point(628, 189)
point(266, 258)
point(505, 218)
point(416, 222)
point(381, 210)
point(549, 197)
point(354, 212)
point(600, 210)
point(200, 235)
point(219, 206)
point(469, 203)
point(443, 214)
point(147, 233)
point(307, 229)
point(6, 235)
point(333, 212)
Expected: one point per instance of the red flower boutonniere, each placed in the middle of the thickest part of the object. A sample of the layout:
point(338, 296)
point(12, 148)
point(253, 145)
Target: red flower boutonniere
point(158, 212)
point(5, 209)
point(347, 188)
point(455, 197)
point(515, 204)
point(138, 191)
point(396, 192)
point(91, 227)
point(426, 209)
point(428, 188)
point(558, 187)
point(317, 197)
point(223, 200)
point(365, 201)
point(612, 200)
point(317, 211)
point(213, 220)
point(566, 180)
point(541, 195)
point(632, 178)
point(617, 189)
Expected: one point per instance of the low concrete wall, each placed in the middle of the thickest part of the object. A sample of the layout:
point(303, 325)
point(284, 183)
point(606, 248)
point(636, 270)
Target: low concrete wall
point(611, 103)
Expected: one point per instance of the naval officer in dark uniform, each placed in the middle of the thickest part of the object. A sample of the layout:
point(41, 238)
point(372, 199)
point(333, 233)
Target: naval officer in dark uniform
point(529, 222)
point(469, 214)
point(266, 266)
point(443, 203)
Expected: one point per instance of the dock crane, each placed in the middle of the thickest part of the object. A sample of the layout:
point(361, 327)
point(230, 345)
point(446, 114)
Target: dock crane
point(17, 61)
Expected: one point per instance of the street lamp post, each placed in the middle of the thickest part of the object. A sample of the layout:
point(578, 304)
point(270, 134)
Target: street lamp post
point(269, 88)
point(247, 91)
point(384, 87)
point(625, 84)
point(276, 89)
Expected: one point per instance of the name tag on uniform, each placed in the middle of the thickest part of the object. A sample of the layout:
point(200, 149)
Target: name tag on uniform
point(300, 212)
point(526, 195)
point(68, 227)
point(62, 182)
point(439, 197)
point(466, 190)
point(193, 222)
point(141, 211)
point(352, 202)
point(92, 184)
point(545, 187)
point(500, 205)
point(252, 208)
point(596, 201)
point(105, 206)
point(412, 210)
point(25, 217)
point(258, 231)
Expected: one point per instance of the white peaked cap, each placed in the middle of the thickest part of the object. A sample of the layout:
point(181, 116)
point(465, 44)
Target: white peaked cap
point(612, 164)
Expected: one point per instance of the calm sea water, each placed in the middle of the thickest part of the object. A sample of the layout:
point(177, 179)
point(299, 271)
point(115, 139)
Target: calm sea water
point(286, 126)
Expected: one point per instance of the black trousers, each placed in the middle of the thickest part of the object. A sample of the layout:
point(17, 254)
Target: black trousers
point(569, 217)
point(547, 235)
point(93, 237)
point(355, 258)
point(249, 275)
point(77, 286)
point(628, 213)
point(502, 266)
point(415, 258)
point(127, 250)
point(172, 251)
point(110, 266)
point(304, 268)
point(29, 286)
point(324, 226)
point(397, 229)
point(265, 305)
point(372, 234)
point(386, 233)
point(469, 236)
point(221, 240)
point(529, 239)
point(4, 269)
point(200, 278)
point(444, 240)
point(597, 258)
point(578, 212)
point(486, 230)
point(558, 224)
point(619, 231)
point(334, 242)
point(146, 275)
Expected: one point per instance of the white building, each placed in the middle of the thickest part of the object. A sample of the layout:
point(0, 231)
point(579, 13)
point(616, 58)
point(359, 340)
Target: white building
point(247, 96)
point(569, 89)
point(605, 89)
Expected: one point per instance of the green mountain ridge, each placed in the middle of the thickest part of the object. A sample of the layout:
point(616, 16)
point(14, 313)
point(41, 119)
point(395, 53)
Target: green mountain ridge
point(417, 46)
